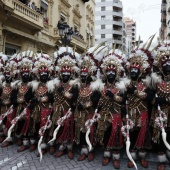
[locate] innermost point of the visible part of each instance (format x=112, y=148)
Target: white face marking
x=43, y=73
x=110, y=72
x=66, y=73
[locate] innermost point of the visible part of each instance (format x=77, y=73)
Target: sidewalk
x=10, y=159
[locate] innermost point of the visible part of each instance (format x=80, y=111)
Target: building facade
x=130, y=27
x=33, y=25
x=108, y=22
x=165, y=20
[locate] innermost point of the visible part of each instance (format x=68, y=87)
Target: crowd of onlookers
x=31, y=5
x=76, y=33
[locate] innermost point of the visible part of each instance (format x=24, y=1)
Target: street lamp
x=65, y=33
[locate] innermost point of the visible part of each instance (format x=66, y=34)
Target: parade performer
x=42, y=102
x=8, y=95
x=161, y=111
x=89, y=94
x=139, y=95
x=65, y=96
x=111, y=106
x=24, y=95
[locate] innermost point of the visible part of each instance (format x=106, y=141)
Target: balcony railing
x=163, y=8
x=79, y=42
x=117, y=41
x=119, y=32
x=118, y=23
x=117, y=14
x=24, y=13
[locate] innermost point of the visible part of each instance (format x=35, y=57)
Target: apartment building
x=130, y=26
x=109, y=22
x=33, y=24
x=165, y=20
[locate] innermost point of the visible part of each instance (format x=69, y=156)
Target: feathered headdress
x=66, y=60
x=141, y=57
x=161, y=54
x=11, y=66
x=25, y=61
x=113, y=62
x=42, y=63
x=3, y=60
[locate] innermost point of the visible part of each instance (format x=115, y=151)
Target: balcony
x=118, y=23
x=117, y=14
x=81, y=44
x=78, y=42
x=163, y=19
x=119, y=32
x=22, y=13
x=117, y=41
x=163, y=8
x=117, y=4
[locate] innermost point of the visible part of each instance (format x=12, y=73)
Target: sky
x=146, y=13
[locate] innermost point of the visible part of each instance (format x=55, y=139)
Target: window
x=44, y=8
x=11, y=49
x=102, y=26
x=103, y=8
x=103, y=17
x=102, y=35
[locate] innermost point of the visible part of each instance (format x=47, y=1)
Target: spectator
x=33, y=6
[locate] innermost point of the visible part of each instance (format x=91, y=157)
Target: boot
x=70, y=152
x=52, y=150
x=84, y=153
x=162, y=161
x=106, y=158
x=130, y=164
x=143, y=161
x=25, y=145
x=61, y=151
x=7, y=143
x=43, y=149
x=116, y=158
x=19, y=140
x=90, y=156
x=33, y=145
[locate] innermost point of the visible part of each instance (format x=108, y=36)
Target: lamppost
x=65, y=33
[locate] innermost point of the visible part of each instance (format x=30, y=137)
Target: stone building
x=32, y=24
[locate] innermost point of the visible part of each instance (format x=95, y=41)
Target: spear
x=88, y=125
x=9, y=111
x=160, y=123
x=129, y=125
x=59, y=123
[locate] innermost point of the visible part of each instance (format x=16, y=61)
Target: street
x=10, y=159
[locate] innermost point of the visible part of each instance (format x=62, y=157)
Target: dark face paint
x=25, y=77
x=166, y=68
x=43, y=77
x=134, y=73
x=65, y=76
x=83, y=77
x=111, y=76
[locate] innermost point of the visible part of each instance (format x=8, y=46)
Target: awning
x=44, y=4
